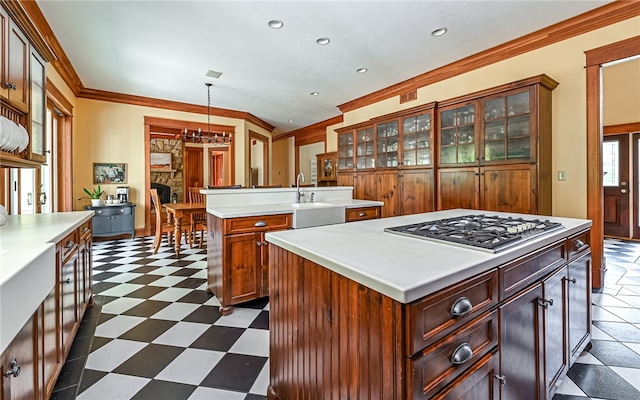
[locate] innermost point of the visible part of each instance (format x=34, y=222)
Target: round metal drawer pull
x=260, y=224
x=462, y=354
x=362, y=214
x=461, y=306
x=14, y=369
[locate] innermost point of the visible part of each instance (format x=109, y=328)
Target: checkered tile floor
x=155, y=333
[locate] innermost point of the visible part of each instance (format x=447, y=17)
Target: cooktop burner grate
x=491, y=233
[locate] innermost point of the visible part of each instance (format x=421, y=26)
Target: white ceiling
x=161, y=49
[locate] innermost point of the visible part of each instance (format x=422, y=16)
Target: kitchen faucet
x=298, y=194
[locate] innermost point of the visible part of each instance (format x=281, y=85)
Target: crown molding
x=311, y=130
x=600, y=17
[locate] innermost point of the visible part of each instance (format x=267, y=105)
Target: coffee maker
x=122, y=194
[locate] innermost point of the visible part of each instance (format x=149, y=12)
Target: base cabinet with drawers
x=238, y=257
x=30, y=365
x=509, y=333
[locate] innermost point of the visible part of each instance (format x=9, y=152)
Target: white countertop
x=280, y=208
x=401, y=267
x=27, y=264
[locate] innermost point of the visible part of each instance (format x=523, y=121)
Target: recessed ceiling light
x=314, y=93
x=361, y=70
x=439, y=32
x=276, y=24
x=290, y=121
x=213, y=74
x=323, y=41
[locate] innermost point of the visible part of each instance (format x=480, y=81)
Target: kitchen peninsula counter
x=357, y=312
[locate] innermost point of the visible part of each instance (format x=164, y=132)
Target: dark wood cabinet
x=494, y=149
x=362, y=213
x=509, y=339
x=327, y=168
x=42, y=345
x=238, y=257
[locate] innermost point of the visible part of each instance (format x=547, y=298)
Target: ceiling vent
x=213, y=74
x=404, y=98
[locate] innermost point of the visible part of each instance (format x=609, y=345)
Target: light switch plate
x=562, y=175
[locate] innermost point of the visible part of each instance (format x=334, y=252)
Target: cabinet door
x=22, y=349
x=509, y=124
x=263, y=249
x=121, y=223
x=388, y=191
x=37, y=144
x=554, y=307
x=387, y=145
x=68, y=306
x=458, y=188
x=579, y=308
x=51, y=356
x=365, y=186
x=84, y=272
x=4, y=71
x=417, y=140
x=365, y=152
x=345, y=151
x=520, y=347
x=457, y=135
x=346, y=179
x=18, y=65
x=417, y=191
x=243, y=278
x=509, y=189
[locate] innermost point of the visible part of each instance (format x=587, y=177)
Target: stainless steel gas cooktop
x=488, y=233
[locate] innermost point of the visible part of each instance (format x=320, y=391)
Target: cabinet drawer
x=68, y=245
x=362, y=213
x=577, y=244
x=85, y=230
x=257, y=224
x=517, y=275
x=114, y=210
x=479, y=382
x=439, y=314
x=446, y=359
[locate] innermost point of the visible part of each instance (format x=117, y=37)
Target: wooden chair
x=198, y=221
x=266, y=186
x=167, y=227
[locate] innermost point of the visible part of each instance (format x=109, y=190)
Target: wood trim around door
x=265, y=155
x=595, y=193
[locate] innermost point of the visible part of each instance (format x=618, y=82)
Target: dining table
x=178, y=211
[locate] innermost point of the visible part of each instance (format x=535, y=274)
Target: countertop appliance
x=482, y=232
x=122, y=194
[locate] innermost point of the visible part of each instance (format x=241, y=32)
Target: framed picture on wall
x=160, y=160
x=109, y=173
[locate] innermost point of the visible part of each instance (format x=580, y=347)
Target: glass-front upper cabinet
x=387, y=144
x=365, y=155
x=416, y=139
x=457, y=135
x=507, y=128
x=345, y=150
x=37, y=144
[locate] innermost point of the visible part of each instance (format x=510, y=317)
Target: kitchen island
x=357, y=312
x=45, y=287
x=237, y=220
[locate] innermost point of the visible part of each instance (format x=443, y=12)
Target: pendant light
x=215, y=139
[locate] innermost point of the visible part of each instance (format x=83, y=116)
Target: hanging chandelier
x=214, y=139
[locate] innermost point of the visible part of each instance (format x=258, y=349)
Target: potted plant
x=94, y=196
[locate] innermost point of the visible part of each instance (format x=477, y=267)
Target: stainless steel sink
x=306, y=215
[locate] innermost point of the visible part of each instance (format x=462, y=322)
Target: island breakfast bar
x=357, y=312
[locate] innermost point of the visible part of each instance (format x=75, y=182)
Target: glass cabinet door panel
x=387, y=143
x=518, y=104
x=466, y=153
x=494, y=109
x=37, y=114
x=424, y=122
x=494, y=130
x=345, y=151
x=448, y=137
x=424, y=156
x=519, y=148
x=466, y=134
x=410, y=125
x=448, y=118
x=424, y=140
x=494, y=150
x=518, y=126
x=409, y=159
x=381, y=160
x=448, y=155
